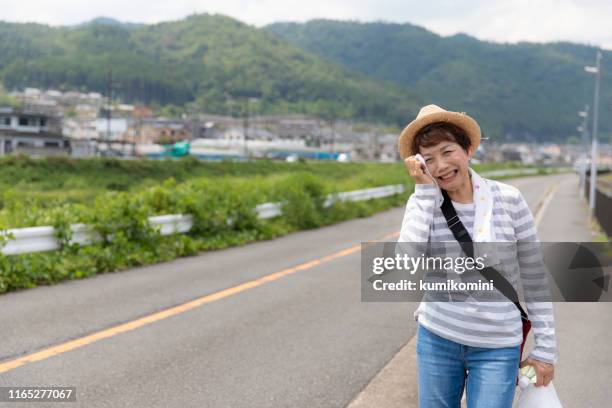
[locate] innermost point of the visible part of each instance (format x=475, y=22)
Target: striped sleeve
x=534, y=280
x=419, y=214
x=418, y=217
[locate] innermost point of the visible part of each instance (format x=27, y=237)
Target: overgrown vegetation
x=120, y=217
x=62, y=191
x=34, y=191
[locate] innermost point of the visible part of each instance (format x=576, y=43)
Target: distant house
x=31, y=132
x=157, y=130
x=113, y=129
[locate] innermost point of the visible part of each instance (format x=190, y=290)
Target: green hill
x=376, y=72
x=211, y=60
x=525, y=90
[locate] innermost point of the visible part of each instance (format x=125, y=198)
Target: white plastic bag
x=536, y=397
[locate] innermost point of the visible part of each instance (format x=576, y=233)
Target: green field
x=32, y=190
x=115, y=198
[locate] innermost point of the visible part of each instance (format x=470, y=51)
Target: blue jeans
x=445, y=367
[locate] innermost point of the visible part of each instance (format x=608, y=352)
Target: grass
x=29, y=187
x=115, y=198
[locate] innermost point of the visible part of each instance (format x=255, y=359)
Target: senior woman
x=463, y=346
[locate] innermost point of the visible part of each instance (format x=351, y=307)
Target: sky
x=580, y=21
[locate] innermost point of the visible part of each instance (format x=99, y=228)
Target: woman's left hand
x=545, y=372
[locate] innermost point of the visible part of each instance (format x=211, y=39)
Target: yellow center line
x=173, y=311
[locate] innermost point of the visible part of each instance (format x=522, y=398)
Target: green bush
x=302, y=197
x=221, y=197
x=222, y=207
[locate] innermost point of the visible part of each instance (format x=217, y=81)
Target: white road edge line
x=541, y=209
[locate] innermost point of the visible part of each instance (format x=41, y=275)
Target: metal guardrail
x=40, y=239
x=172, y=223
x=269, y=210
x=509, y=172
x=367, y=194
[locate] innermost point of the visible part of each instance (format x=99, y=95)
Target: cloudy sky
x=582, y=21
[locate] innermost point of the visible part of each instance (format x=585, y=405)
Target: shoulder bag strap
x=465, y=240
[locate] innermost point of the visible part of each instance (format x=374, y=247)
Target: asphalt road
x=300, y=338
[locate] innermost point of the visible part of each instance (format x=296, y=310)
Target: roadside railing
x=40, y=239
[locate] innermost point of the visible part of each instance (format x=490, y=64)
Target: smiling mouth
x=448, y=176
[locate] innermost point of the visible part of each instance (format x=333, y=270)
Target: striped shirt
x=485, y=323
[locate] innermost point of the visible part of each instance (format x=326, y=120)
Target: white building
x=31, y=133
x=115, y=128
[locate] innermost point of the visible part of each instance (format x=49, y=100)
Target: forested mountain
x=377, y=72
x=523, y=90
x=215, y=61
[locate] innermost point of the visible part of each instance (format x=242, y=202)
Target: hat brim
x=465, y=122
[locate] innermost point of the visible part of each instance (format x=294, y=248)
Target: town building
x=31, y=131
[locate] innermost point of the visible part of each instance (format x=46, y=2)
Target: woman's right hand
x=415, y=169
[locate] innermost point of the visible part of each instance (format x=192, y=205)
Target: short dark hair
x=437, y=132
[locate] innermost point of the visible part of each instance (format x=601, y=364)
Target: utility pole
x=246, y=126
x=109, y=98
x=110, y=83
x=247, y=109
x=584, y=128
x=332, y=127
x=596, y=70
x=137, y=126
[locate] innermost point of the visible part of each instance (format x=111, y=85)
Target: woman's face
x=448, y=163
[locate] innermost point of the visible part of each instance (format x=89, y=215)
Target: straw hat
x=431, y=114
